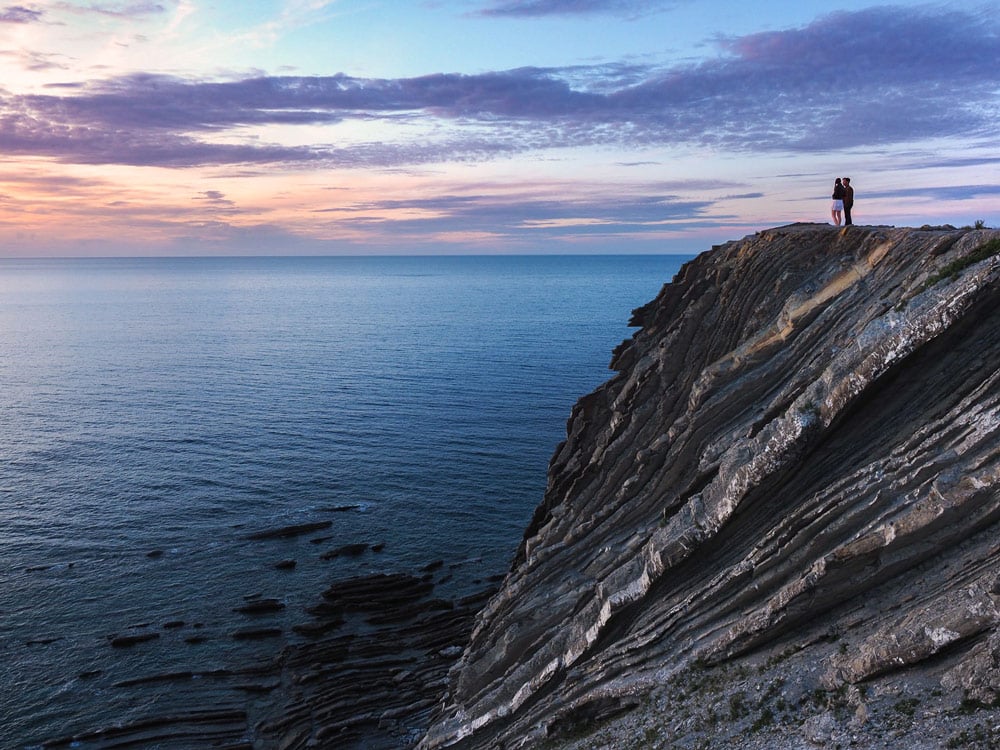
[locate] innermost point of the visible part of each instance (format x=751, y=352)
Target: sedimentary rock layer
x=804, y=434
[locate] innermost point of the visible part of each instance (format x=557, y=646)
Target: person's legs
x=836, y=216
x=847, y=215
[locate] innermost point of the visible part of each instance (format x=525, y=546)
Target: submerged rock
x=124, y=641
x=252, y=634
x=285, y=532
x=260, y=607
x=346, y=550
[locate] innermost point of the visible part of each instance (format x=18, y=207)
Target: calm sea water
x=173, y=406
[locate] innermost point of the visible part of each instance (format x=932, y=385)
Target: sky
x=304, y=127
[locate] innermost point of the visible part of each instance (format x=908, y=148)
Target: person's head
x=847, y=180
x=837, y=181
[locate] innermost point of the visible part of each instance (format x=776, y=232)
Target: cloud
x=216, y=199
x=35, y=61
x=938, y=161
x=941, y=193
x=19, y=14
x=536, y=8
x=540, y=213
x=878, y=77
x=113, y=10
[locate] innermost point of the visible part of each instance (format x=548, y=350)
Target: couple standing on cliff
x=843, y=200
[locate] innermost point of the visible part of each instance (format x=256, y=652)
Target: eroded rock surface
x=803, y=438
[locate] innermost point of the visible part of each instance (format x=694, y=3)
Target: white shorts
x=837, y=206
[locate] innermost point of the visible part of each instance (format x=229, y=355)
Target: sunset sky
x=212, y=127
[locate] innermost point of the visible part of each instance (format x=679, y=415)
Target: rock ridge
x=803, y=437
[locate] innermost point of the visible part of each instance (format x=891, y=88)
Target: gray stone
x=801, y=443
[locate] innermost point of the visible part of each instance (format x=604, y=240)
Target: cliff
x=794, y=474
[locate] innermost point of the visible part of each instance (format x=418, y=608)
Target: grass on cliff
x=953, y=269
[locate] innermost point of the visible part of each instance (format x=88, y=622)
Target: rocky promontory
x=777, y=522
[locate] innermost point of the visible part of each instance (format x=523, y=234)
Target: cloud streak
x=19, y=14
x=114, y=10
x=881, y=76
x=538, y=8
x=541, y=213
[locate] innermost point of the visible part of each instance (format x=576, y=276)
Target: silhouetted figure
x=838, y=201
x=848, y=201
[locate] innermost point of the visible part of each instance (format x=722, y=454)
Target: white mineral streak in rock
x=888, y=533
x=941, y=637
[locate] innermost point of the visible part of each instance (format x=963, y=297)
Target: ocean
x=157, y=413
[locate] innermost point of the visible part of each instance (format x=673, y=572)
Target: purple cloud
x=529, y=216
x=877, y=77
x=19, y=14
x=115, y=10
x=534, y=8
x=943, y=193
x=216, y=199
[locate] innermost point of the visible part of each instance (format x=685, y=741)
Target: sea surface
x=156, y=412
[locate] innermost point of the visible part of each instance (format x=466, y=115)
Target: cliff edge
x=791, y=485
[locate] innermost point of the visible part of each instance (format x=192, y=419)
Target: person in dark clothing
x=848, y=201
x=838, y=201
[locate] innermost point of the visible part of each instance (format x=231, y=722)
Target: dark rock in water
x=347, y=550
x=408, y=610
x=327, y=610
x=124, y=641
x=42, y=641
x=90, y=674
x=253, y=634
x=194, y=640
x=258, y=687
x=374, y=687
x=285, y=565
x=154, y=554
x=285, y=532
x=155, y=679
x=261, y=607
x=376, y=591
x=431, y=567
x=339, y=508
x=316, y=629
x=794, y=474
x=37, y=568
x=347, y=684
x=173, y=624
x=320, y=539
x=225, y=729
x=378, y=547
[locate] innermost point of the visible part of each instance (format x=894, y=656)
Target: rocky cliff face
x=799, y=455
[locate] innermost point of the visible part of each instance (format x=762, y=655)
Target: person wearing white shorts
x=837, y=209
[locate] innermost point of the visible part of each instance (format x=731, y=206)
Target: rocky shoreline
x=363, y=668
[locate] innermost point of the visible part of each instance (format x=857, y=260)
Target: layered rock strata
x=802, y=438
x=372, y=664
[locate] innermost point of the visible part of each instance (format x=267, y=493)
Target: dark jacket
x=839, y=192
